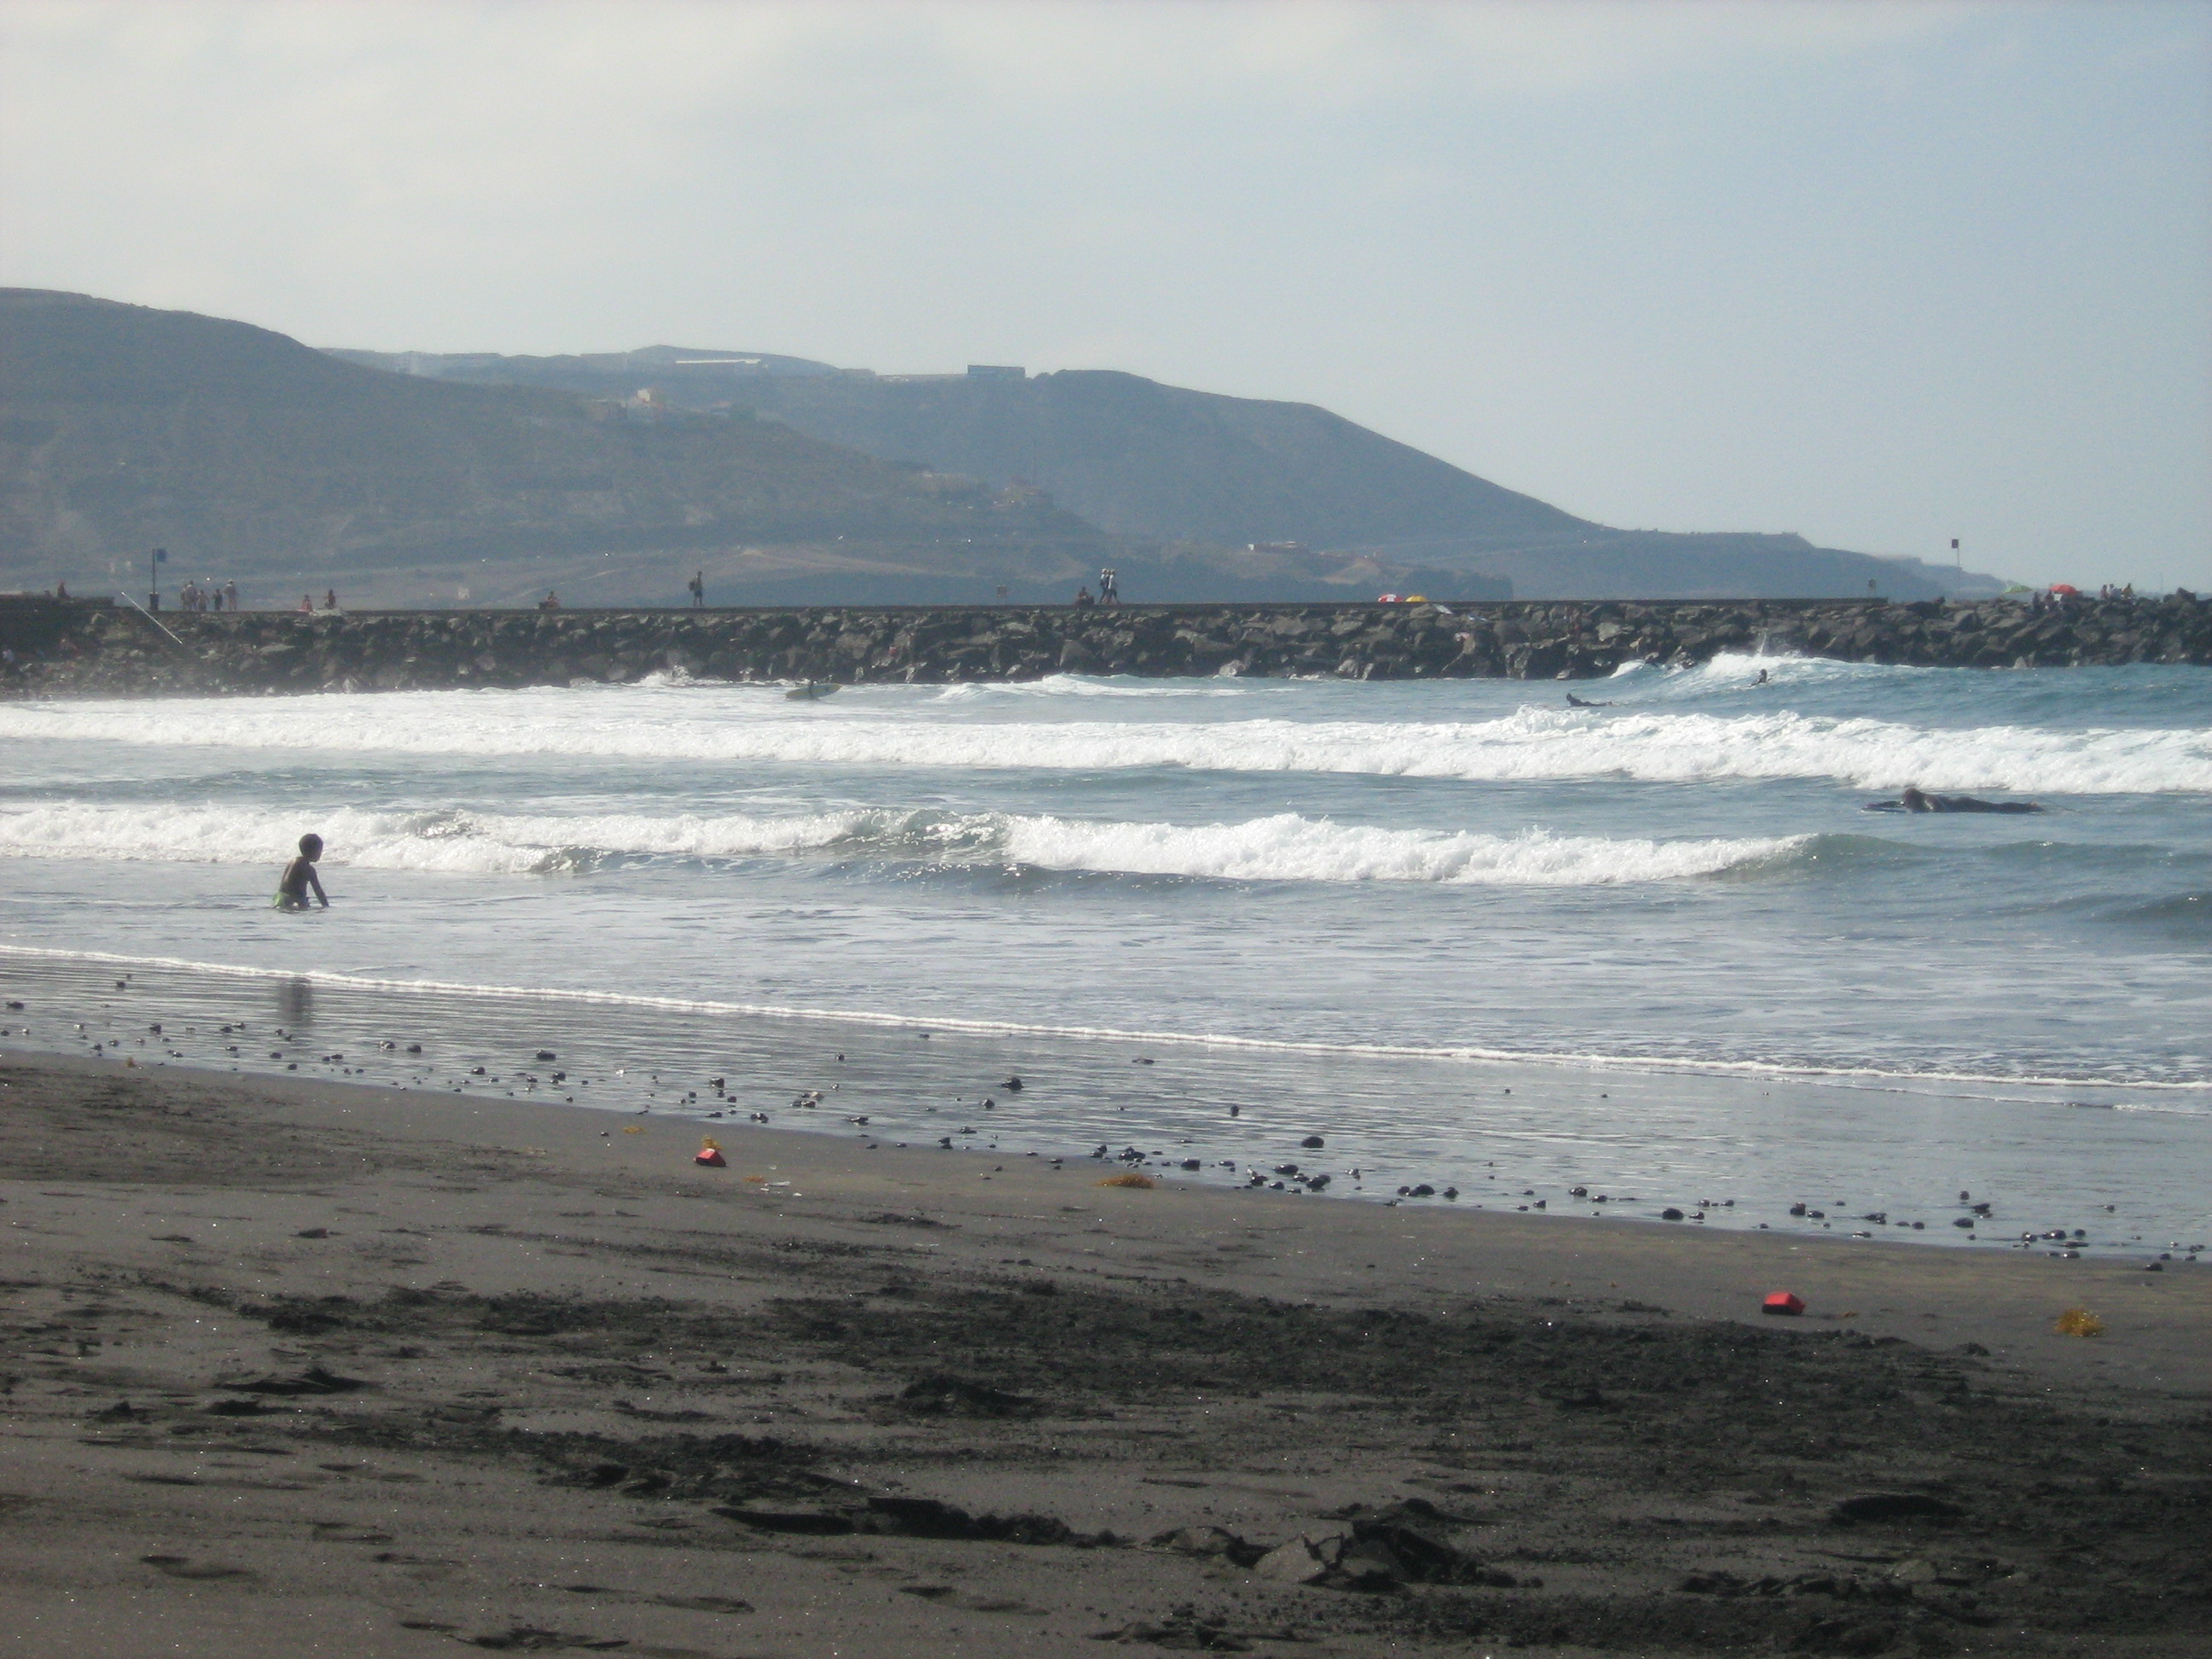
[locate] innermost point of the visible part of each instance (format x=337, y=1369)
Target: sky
x=1883, y=275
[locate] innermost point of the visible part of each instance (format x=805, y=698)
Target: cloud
x=1646, y=259
x=541, y=135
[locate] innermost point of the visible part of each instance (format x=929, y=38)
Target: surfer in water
x=292, y=887
x=1912, y=800
x=1574, y=702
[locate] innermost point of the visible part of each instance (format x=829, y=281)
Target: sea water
x=1368, y=911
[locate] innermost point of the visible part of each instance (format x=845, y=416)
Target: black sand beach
x=312, y=1368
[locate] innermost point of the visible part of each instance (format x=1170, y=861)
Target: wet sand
x=312, y=1368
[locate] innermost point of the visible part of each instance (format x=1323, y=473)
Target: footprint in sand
x=946, y=1595
x=528, y=1639
x=689, y=1603
x=183, y=1566
x=345, y=1532
x=705, y=1604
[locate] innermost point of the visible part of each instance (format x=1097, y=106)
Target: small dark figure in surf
x=1574, y=702
x=1761, y=680
x=299, y=876
x=1912, y=800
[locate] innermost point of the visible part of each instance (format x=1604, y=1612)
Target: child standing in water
x=299, y=875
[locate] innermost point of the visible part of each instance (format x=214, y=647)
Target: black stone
x=1896, y=1506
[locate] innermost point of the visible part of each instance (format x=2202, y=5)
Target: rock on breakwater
x=95, y=648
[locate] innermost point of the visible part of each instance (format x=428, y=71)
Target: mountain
x=1165, y=464
x=701, y=371
x=414, y=477
x=251, y=456
x=1143, y=459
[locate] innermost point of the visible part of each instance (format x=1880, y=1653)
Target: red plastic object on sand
x=711, y=1155
x=1784, y=1303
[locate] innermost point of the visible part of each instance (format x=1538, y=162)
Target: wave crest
x=1530, y=745
x=1284, y=847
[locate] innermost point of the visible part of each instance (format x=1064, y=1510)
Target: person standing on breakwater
x=300, y=875
x=698, y=587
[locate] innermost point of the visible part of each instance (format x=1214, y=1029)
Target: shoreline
x=1657, y=1064
x=580, y=1390
x=1814, y=1157
x=1711, y=1273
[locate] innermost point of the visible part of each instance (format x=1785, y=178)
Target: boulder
x=1303, y=1560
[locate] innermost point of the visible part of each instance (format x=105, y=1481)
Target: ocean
x=1470, y=937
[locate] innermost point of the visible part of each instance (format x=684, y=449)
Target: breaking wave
x=1284, y=847
x=743, y=725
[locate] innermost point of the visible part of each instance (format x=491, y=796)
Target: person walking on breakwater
x=299, y=876
x=697, y=586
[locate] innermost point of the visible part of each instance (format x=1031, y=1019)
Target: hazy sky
x=1883, y=275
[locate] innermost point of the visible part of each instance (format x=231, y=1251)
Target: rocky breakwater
x=95, y=648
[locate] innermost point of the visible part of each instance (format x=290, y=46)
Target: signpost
x=160, y=556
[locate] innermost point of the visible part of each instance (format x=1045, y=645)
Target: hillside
x=1163, y=463
x=252, y=457
x=413, y=478
x=1146, y=459
x=699, y=375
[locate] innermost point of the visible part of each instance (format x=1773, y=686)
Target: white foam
x=1085, y=685
x=747, y=724
x=1289, y=847
x=434, y=841
x=1736, y=670
x=1282, y=847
